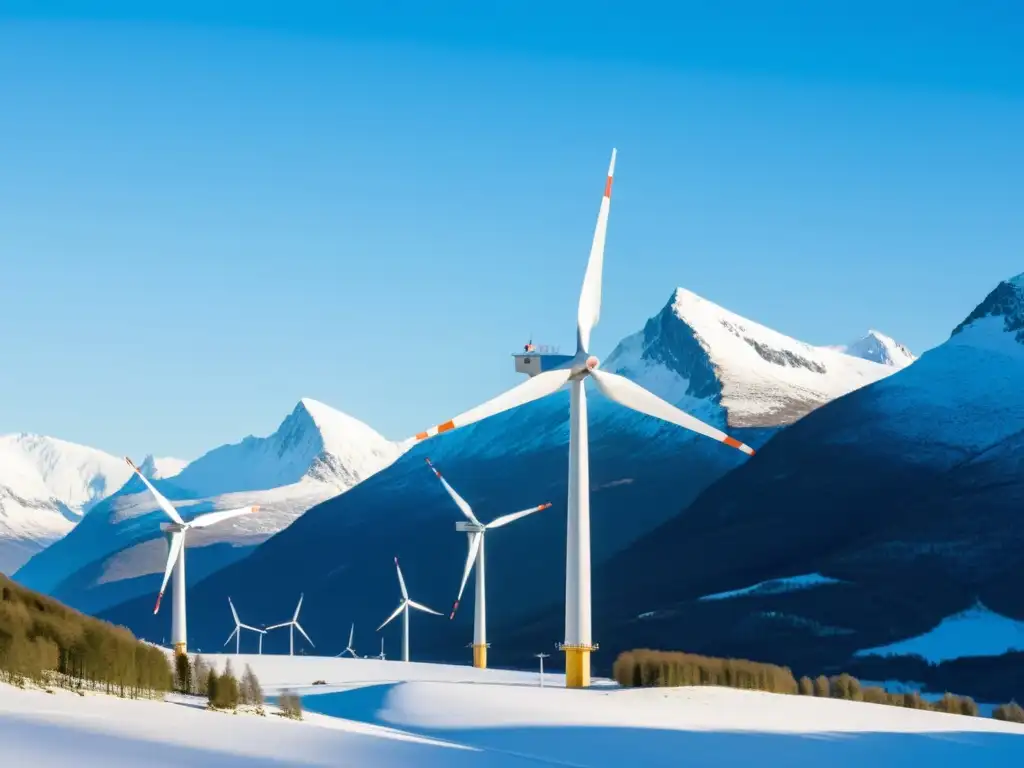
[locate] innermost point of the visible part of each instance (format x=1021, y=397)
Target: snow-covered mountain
x=161, y=467
x=697, y=352
x=316, y=453
x=879, y=348
x=46, y=485
x=711, y=362
x=906, y=494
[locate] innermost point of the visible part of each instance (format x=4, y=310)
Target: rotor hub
x=592, y=363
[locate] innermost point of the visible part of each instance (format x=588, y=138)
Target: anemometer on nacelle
x=536, y=359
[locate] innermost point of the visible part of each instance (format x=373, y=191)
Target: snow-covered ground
x=387, y=713
x=978, y=631
x=776, y=586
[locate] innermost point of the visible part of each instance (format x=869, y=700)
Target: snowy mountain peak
x=695, y=350
x=1001, y=313
x=161, y=468
x=879, y=348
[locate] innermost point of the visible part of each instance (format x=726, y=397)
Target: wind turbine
x=578, y=644
x=348, y=648
x=176, y=531
x=237, y=631
x=476, y=530
x=403, y=608
x=381, y=656
x=292, y=626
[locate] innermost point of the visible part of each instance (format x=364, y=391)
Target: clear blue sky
x=210, y=210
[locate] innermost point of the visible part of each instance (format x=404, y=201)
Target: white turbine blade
x=278, y=626
x=398, y=610
x=631, y=395
x=177, y=538
x=298, y=607
x=401, y=581
x=459, y=501
x=165, y=505
x=532, y=389
x=299, y=627
x=351, y=633
x=474, y=548
x=247, y=626
x=233, y=611
x=419, y=607
x=233, y=631
x=506, y=519
x=212, y=518
x=590, y=295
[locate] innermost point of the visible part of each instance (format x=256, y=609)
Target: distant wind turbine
x=476, y=530
x=348, y=648
x=292, y=626
x=403, y=608
x=578, y=642
x=176, y=531
x=237, y=631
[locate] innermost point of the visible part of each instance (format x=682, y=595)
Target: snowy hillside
x=907, y=494
x=117, y=550
x=642, y=472
x=879, y=348
x=696, y=351
x=388, y=714
x=46, y=485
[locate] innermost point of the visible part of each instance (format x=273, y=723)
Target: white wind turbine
x=292, y=626
x=348, y=648
x=237, y=631
x=403, y=608
x=176, y=531
x=578, y=643
x=476, y=530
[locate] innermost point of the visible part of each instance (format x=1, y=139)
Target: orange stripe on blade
x=446, y=427
x=608, y=187
x=732, y=442
x=422, y=435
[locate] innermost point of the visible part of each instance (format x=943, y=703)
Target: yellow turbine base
x=179, y=649
x=480, y=656
x=577, y=666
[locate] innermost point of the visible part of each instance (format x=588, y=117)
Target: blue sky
x=210, y=210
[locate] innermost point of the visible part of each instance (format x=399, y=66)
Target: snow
x=695, y=350
x=879, y=348
x=978, y=631
x=315, y=454
x=776, y=586
x=161, y=468
x=385, y=714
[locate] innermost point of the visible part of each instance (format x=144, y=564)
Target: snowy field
x=386, y=713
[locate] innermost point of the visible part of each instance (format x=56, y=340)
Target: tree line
x=45, y=642
x=647, y=668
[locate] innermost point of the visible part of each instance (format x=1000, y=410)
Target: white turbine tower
x=292, y=626
x=348, y=648
x=176, y=531
x=237, y=631
x=578, y=644
x=476, y=530
x=403, y=608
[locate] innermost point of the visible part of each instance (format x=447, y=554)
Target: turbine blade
x=247, y=626
x=278, y=626
x=506, y=519
x=532, y=389
x=419, y=607
x=351, y=632
x=177, y=538
x=401, y=581
x=474, y=547
x=298, y=607
x=627, y=393
x=388, y=620
x=233, y=611
x=212, y=518
x=233, y=631
x=165, y=505
x=590, y=296
x=299, y=627
x=459, y=501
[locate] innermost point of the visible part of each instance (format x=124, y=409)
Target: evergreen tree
x=806, y=686
x=211, y=688
x=251, y=692
x=821, y=687
x=183, y=672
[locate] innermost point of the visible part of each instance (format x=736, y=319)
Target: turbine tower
x=348, y=648
x=176, y=531
x=403, y=608
x=237, y=631
x=476, y=530
x=292, y=626
x=578, y=642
